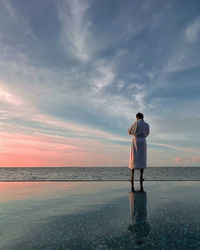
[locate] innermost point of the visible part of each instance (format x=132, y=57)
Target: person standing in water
x=138, y=150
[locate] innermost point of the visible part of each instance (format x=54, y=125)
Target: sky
x=73, y=74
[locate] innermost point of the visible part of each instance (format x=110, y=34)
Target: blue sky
x=76, y=72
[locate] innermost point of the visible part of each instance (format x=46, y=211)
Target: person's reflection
x=138, y=209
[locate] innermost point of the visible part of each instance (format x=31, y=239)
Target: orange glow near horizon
x=22, y=150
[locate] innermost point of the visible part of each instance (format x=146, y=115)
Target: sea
x=97, y=174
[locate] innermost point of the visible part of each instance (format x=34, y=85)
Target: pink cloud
x=7, y=97
x=186, y=159
x=196, y=159
x=48, y=150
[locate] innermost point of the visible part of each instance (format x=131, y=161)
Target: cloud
x=187, y=159
x=23, y=150
x=192, y=30
x=24, y=28
x=175, y=147
x=30, y=118
x=9, y=98
x=104, y=76
x=75, y=29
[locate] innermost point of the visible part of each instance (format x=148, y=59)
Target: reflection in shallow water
x=139, y=228
x=96, y=216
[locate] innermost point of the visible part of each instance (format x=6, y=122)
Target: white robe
x=138, y=149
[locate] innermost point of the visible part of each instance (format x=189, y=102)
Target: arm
x=132, y=128
x=147, y=130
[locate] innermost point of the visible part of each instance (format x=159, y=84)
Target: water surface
x=96, y=173
x=99, y=215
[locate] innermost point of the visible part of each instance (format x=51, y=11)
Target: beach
x=99, y=215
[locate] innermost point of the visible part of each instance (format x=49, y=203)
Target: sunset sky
x=74, y=73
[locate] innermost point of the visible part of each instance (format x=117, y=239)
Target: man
x=138, y=150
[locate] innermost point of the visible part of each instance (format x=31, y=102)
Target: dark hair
x=139, y=115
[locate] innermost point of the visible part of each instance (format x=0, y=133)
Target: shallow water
x=96, y=173
x=99, y=215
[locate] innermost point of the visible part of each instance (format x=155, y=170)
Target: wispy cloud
x=104, y=76
x=192, y=31
x=31, y=114
x=16, y=17
x=49, y=150
x=190, y=150
x=186, y=159
x=75, y=28
x=9, y=98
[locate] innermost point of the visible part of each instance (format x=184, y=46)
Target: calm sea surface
x=97, y=173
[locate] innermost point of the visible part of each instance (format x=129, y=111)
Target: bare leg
x=141, y=174
x=132, y=175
